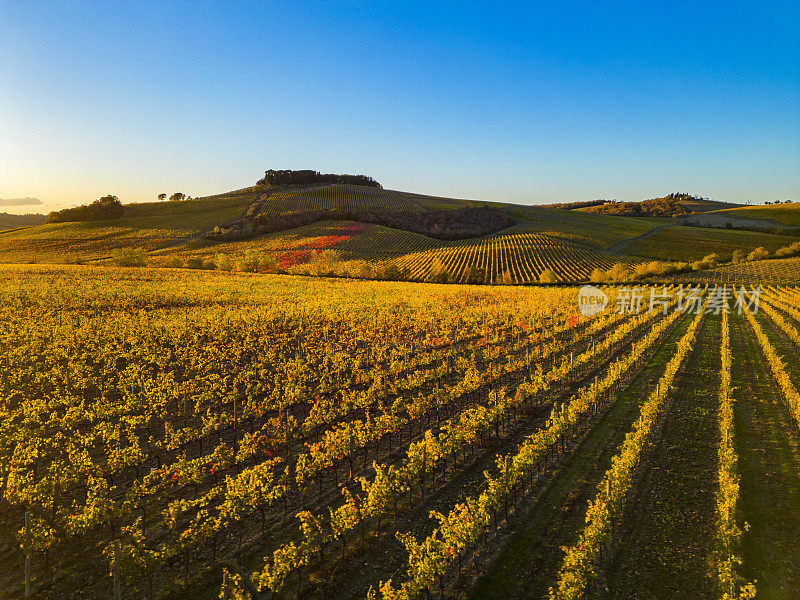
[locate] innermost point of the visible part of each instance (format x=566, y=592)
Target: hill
x=673, y=205
x=785, y=214
x=366, y=231
x=8, y=221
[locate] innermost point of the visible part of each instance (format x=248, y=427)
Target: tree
x=618, y=272
x=177, y=197
x=107, y=207
x=222, y=262
x=129, y=257
x=161, y=197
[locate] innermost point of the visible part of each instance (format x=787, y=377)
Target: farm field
x=786, y=214
x=681, y=243
x=778, y=271
x=187, y=433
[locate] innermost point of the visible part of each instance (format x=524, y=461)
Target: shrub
x=390, y=272
x=438, y=273
x=474, y=275
x=644, y=269
x=129, y=257
x=681, y=266
x=759, y=253
x=790, y=250
x=174, y=262
x=442, y=276
x=222, y=262
x=324, y=264
x=194, y=262
x=618, y=272
x=598, y=276
x=708, y=262
x=256, y=262
x=738, y=256
x=657, y=268
x=508, y=278
x=548, y=276
x=362, y=269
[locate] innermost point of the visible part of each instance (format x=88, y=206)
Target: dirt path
x=769, y=461
x=527, y=566
x=619, y=246
x=255, y=208
x=665, y=542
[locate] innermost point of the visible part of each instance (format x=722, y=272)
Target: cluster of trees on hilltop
x=668, y=206
x=176, y=197
x=289, y=177
x=107, y=207
x=458, y=224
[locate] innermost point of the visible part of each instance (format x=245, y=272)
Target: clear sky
x=530, y=103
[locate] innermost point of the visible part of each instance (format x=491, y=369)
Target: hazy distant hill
x=8, y=221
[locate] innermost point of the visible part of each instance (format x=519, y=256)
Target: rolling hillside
x=343, y=236
x=150, y=226
x=783, y=214
x=682, y=243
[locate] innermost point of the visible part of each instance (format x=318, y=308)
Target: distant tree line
x=458, y=224
x=289, y=177
x=107, y=207
x=575, y=205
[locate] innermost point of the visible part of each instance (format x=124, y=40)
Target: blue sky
x=529, y=103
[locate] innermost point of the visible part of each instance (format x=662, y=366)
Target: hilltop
x=672, y=205
x=342, y=228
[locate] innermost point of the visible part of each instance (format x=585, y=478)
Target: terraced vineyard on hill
x=340, y=197
x=452, y=434
x=512, y=257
